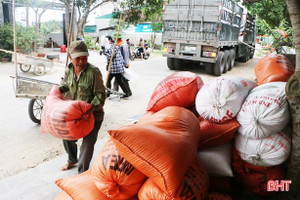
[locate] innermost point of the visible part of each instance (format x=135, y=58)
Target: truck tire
x=227, y=60
x=178, y=64
x=252, y=53
x=209, y=68
x=220, y=64
x=170, y=63
x=246, y=57
x=232, y=59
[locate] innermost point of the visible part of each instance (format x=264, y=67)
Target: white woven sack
x=264, y=112
x=128, y=74
x=221, y=99
x=269, y=151
x=217, y=160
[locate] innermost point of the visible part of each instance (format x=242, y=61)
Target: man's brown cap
x=78, y=48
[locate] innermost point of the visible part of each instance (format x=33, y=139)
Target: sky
x=48, y=15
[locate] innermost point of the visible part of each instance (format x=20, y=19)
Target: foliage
x=25, y=39
x=51, y=26
x=88, y=41
x=273, y=14
x=6, y=40
x=272, y=11
x=136, y=11
x=282, y=40
x=84, y=7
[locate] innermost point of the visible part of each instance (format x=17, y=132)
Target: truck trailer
x=213, y=33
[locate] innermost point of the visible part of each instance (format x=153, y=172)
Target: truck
x=211, y=33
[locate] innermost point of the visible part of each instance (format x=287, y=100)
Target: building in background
x=103, y=17
x=1, y=15
x=6, y=14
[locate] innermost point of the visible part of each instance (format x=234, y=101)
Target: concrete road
x=23, y=146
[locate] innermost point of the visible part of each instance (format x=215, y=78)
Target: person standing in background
x=128, y=43
x=117, y=66
x=125, y=51
x=141, y=48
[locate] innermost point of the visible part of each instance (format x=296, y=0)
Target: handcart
x=34, y=89
x=39, y=65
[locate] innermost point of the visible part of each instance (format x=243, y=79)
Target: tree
x=25, y=38
x=293, y=96
x=39, y=7
x=51, y=26
x=135, y=12
x=273, y=20
x=84, y=8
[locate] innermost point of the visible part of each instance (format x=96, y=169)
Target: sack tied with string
x=64, y=118
x=221, y=99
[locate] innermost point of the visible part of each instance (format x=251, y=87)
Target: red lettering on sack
x=244, y=83
x=262, y=102
x=275, y=185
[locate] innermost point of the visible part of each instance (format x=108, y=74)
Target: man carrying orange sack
x=84, y=82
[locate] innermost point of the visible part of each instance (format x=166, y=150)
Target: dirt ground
x=23, y=146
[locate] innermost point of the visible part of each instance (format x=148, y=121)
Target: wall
x=56, y=37
x=1, y=15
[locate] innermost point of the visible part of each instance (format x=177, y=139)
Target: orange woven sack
x=161, y=147
x=214, y=134
x=81, y=187
x=219, y=184
x=63, y=196
x=178, y=89
x=114, y=175
x=63, y=118
x=195, y=185
x=218, y=196
x=273, y=68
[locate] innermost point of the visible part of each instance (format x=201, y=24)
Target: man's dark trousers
x=86, y=149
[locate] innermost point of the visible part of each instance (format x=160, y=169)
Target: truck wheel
x=209, y=68
x=227, y=60
x=220, y=64
x=178, y=64
x=252, y=53
x=170, y=63
x=246, y=57
x=232, y=59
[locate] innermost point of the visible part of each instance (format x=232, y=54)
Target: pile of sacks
x=185, y=144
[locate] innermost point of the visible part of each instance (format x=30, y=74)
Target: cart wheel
x=24, y=68
x=39, y=69
x=35, y=110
